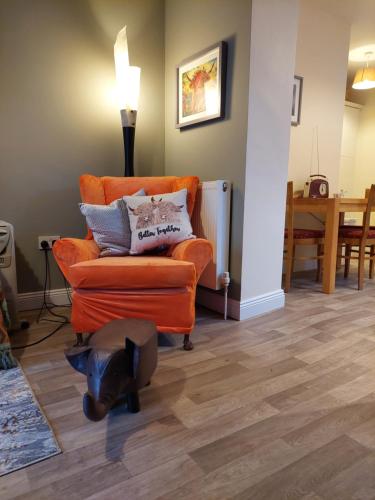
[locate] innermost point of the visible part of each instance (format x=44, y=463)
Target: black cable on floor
x=40, y=340
x=48, y=306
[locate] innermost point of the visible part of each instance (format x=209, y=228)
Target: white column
x=274, y=27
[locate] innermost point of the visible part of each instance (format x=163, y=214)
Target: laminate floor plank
x=302, y=477
x=280, y=406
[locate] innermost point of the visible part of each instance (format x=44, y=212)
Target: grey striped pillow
x=110, y=226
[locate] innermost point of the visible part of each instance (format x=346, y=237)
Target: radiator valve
x=225, y=279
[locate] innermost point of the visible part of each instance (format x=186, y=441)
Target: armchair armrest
x=198, y=251
x=69, y=251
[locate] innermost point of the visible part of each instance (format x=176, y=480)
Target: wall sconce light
x=365, y=77
x=128, y=84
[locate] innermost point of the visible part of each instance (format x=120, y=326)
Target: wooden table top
x=322, y=204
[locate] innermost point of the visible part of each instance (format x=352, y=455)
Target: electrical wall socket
x=50, y=240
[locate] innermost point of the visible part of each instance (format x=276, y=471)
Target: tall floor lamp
x=128, y=83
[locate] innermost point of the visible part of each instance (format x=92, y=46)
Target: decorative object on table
x=297, y=100
x=158, y=220
x=201, y=83
x=110, y=225
x=118, y=361
x=317, y=185
x=365, y=77
x=128, y=85
x=25, y=435
x=160, y=288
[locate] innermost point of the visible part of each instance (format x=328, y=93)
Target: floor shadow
x=156, y=403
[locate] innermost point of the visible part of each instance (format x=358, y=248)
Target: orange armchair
x=159, y=288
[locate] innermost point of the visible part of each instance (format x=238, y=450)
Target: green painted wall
x=215, y=150
x=58, y=118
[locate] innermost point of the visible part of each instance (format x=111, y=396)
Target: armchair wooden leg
x=372, y=256
x=80, y=341
x=188, y=345
x=348, y=251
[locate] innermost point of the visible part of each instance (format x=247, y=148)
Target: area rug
x=25, y=435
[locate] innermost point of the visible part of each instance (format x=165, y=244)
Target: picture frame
x=201, y=86
x=297, y=100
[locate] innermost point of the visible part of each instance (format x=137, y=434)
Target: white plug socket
x=49, y=239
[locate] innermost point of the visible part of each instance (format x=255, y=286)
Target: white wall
x=365, y=153
x=322, y=59
x=358, y=151
x=350, y=129
x=274, y=25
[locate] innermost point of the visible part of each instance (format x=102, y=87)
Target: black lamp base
x=129, y=134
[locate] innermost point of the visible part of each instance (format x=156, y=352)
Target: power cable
x=48, y=306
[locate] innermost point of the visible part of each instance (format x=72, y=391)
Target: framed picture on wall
x=297, y=100
x=201, y=86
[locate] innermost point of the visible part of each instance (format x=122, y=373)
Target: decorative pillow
x=110, y=225
x=158, y=220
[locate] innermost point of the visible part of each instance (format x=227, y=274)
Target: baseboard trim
x=34, y=300
x=245, y=309
x=262, y=304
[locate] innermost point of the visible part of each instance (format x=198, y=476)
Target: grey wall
x=215, y=150
x=57, y=114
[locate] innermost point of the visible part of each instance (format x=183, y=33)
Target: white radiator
x=211, y=220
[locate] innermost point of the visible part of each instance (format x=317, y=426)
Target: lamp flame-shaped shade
x=364, y=79
x=127, y=77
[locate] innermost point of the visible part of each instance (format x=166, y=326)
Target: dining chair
x=294, y=237
x=362, y=238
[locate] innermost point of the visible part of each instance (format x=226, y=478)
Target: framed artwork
x=296, y=100
x=201, y=86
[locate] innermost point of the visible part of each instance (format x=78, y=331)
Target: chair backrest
x=370, y=195
x=289, y=223
x=104, y=190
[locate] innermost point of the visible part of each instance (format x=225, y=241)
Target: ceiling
x=360, y=14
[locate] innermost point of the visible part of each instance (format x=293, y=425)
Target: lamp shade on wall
x=364, y=79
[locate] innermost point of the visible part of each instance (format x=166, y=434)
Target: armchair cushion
x=122, y=273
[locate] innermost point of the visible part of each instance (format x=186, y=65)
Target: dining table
x=334, y=210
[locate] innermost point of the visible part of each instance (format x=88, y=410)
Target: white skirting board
x=34, y=300
x=244, y=309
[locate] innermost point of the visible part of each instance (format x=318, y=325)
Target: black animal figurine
x=118, y=360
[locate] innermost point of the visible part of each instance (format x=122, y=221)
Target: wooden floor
x=278, y=407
